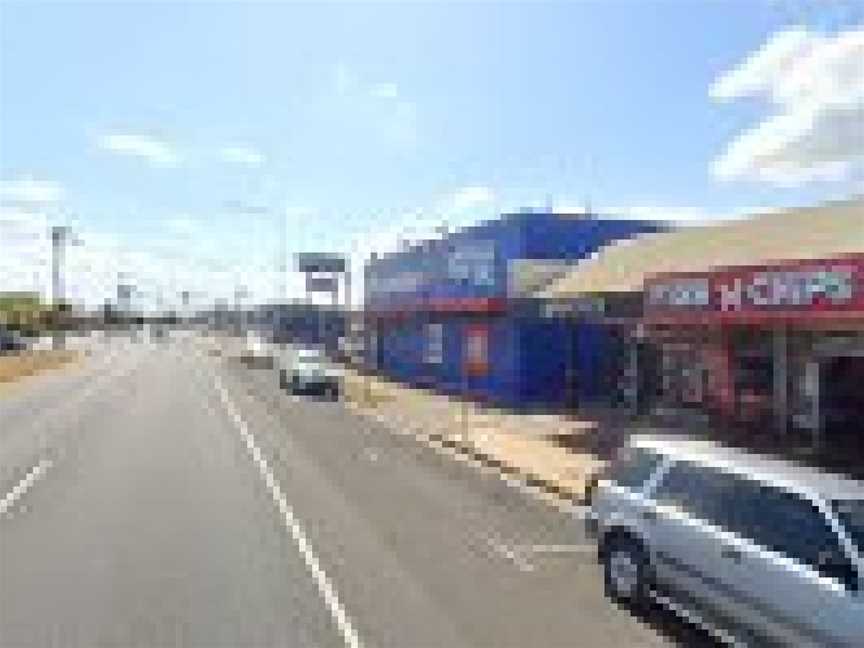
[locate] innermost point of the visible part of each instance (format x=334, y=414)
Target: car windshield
x=851, y=514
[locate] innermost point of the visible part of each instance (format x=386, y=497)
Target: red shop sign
x=797, y=289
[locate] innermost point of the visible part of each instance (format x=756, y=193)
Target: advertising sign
x=321, y=283
x=800, y=288
x=316, y=262
x=443, y=273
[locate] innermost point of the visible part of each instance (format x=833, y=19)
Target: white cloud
x=180, y=258
x=183, y=225
x=814, y=83
x=384, y=90
x=344, y=79
x=24, y=261
x=155, y=151
x=376, y=107
x=468, y=198
x=676, y=214
x=243, y=155
x=28, y=190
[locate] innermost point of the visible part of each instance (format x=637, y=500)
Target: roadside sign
x=324, y=263
x=321, y=283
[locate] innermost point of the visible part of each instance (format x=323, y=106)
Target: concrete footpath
x=552, y=453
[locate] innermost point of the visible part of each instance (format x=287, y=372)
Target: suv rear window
x=789, y=524
x=632, y=467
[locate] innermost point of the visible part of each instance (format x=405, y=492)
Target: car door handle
x=731, y=554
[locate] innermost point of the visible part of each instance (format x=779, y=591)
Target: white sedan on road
x=310, y=372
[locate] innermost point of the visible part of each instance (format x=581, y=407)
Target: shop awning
x=825, y=231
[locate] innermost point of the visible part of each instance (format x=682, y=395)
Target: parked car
x=255, y=353
x=760, y=550
x=310, y=372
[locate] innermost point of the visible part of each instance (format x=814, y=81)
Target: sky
x=184, y=142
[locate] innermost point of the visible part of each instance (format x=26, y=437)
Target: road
x=183, y=499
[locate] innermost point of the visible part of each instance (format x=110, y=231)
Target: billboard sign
x=322, y=283
x=324, y=263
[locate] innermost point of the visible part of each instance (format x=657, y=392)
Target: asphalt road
x=183, y=499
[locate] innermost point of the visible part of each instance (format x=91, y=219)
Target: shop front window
x=684, y=376
x=754, y=387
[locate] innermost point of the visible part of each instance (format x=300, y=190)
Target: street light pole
x=59, y=236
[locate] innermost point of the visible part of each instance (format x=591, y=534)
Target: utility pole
x=60, y=235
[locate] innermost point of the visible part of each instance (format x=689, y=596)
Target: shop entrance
x=841, y=404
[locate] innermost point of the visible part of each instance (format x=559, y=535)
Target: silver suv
x=758, y=550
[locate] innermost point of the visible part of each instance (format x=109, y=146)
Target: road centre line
x=310, y=558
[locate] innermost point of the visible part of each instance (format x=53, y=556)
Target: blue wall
x=402, y=357
x=474, y=262
x=549, y=236
x=530, y=358
x=545, y=351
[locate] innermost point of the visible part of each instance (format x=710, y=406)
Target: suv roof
x=791, y=475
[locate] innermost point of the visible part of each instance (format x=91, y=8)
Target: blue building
x=457, y=314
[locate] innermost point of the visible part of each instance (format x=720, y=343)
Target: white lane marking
x=310, y=558
x=38, y=471
x=512, y=554
x=561, y=549
x=34, y=474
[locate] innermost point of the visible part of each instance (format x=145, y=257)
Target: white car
x=310, y=372
x=762, y=550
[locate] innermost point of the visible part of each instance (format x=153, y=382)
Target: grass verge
x=21, y=365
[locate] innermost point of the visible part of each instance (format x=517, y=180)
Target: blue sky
x=155, y=123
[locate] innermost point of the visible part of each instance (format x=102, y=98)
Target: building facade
x=457, y=313
x=776, y=346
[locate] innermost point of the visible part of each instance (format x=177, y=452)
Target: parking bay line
x=310, y=558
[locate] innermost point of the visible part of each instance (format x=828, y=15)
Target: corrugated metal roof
x=825, y=231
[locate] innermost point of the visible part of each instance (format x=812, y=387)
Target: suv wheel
x=625, y=571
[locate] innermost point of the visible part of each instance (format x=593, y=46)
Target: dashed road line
x=324, y=584
x=32, y=476
x=38, y=471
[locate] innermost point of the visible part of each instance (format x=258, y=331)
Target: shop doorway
x=841, y=405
